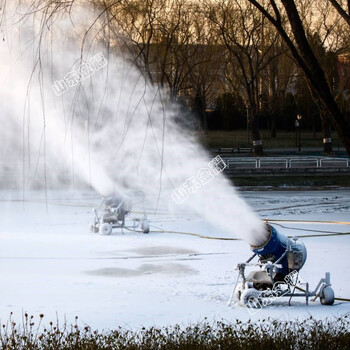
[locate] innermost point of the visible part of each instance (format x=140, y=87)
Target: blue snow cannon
x=280, y=259
x=278, y=249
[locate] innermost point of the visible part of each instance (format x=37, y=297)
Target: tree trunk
x=344, y=13
x=309, y=64
x=204, y=120
x=254, y=127
x=313, y=126
x=315, y=74
x=327, y=137
x=204, y=112
x=273, y=126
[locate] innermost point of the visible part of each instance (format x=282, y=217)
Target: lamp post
x=297, y=132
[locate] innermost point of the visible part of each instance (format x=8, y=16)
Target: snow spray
x=110, y=128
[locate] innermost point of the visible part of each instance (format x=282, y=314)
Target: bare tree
x=251, y=47
x=328, y=39
x=278, y=84
x=205, y=66
x=160, y=38
x=304, y=56
x=132, y=28
x=344, y=12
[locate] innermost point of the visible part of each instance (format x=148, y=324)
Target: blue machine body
x=276, y=245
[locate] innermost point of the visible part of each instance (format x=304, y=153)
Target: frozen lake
x=52, y=264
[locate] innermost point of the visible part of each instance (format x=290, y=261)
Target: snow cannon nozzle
x=279, y=249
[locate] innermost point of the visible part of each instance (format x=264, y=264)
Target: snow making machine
x=280, y=260
x=112, y=213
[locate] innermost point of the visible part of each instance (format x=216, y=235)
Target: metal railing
x=287, y=163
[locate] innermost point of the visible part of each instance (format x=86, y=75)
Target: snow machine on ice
x=111, y=214
x=280, y=260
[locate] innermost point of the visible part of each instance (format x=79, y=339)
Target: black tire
x=251, y=298
x=105, y=229
x=327, y=296
x=145, y=226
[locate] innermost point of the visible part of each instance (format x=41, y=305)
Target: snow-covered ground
x=50, y=263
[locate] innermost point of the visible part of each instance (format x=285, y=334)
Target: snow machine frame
x=111, y=214
x=254, y=293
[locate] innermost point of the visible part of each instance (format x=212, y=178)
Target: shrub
x=264, y=334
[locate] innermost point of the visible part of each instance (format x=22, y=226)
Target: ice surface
x=50, y=263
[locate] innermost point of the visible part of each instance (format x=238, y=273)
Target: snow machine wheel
x=327, y=296
x=105, y=229
x=145, y=226
x=93, y=228
x=251, y=298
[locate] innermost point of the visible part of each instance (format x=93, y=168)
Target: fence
x=286, y=163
